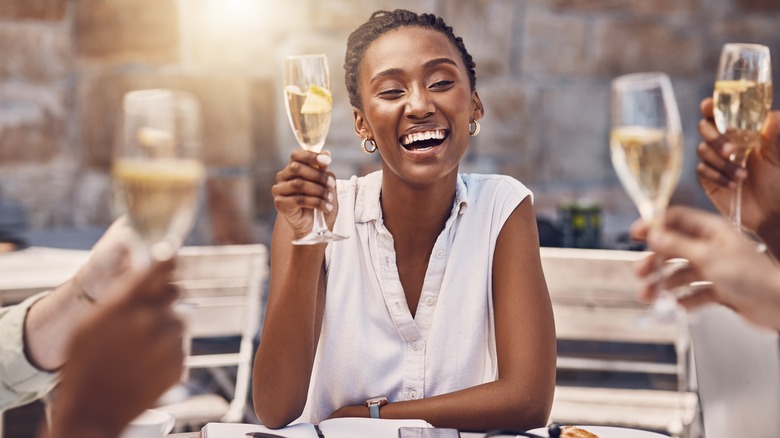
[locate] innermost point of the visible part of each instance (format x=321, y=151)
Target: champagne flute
x=647, y=152
x=742, y=99
x=309, y=103
x=157, y=172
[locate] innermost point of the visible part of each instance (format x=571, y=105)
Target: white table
x=197, y=435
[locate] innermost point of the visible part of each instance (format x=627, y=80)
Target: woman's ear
x=479, y=111
x=362, y=129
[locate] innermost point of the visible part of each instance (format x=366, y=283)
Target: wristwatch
x=374, y=404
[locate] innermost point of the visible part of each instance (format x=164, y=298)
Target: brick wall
x=543, y=69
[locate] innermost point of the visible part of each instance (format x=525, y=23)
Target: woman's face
x=417, y=103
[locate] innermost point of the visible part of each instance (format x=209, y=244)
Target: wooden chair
x=594, y=297
x=222, y=291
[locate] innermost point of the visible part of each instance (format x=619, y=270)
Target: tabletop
x=197, y=435
x=29, y=271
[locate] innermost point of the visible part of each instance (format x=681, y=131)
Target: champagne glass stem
x=319, y=225
x=736, y=207
x=664, y=307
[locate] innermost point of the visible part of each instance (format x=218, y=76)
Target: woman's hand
x=761, y=178
x=305, y=184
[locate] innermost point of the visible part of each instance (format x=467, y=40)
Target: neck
x=417, y=210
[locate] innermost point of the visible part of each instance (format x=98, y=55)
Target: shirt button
x=429, y=301
x=398, y=305
x=415, y=346
x=413, y=395
x=440, y=254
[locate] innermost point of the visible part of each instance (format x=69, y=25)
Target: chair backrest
x=595, y=301
x=595, y=298
x=738, y=374
x=222, y=292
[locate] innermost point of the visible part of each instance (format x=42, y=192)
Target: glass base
x=317, y=237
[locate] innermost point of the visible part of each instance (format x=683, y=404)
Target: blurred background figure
x=36, y=333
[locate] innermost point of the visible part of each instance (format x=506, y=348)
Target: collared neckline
x=369, y=208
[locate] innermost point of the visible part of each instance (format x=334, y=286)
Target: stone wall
x=543, y=69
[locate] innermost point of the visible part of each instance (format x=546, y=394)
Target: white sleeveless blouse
x=370, y=345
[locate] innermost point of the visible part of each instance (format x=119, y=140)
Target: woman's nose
x=419, y=105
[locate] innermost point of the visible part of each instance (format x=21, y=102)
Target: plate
x=610, y=432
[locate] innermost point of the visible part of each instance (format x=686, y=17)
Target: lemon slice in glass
x=318, y=100
x=155, y=138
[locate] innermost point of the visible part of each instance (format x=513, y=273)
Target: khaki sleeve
x=20, y=381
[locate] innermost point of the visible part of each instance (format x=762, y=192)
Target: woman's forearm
x=495, y=405
x=285, y=357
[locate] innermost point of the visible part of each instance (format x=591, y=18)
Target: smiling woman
x=436, y=306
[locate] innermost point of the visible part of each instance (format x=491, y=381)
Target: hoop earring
x=474, y=128
x=369, y=146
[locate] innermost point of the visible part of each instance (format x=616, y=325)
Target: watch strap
x=373, y=410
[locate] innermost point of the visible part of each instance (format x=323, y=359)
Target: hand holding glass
x=157, y=172
x=742, y=100
x=647, y=150
x=309, y=103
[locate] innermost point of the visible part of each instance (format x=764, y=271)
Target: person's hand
x=123, y=356
x=744, y=279
x=761, y=178
x=108, y=260
x=676, y=277
x=304, y=184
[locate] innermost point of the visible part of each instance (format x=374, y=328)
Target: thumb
x=150, y=285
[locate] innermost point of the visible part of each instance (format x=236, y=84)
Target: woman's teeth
x=423, y=140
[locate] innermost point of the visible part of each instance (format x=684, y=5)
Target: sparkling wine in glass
x=742, y=99
x=309, y=104
x=647, y=152
x=157, y=172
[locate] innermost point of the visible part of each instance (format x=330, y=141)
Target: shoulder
x=360, y=197
x=356, y=184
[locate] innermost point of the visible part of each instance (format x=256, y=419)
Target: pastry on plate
x=576, y=432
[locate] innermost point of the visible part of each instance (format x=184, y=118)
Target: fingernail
x=329, y=206
x=741, y=173
x=331, y=182
x=330, y=197
x=728, y=148
x=323, y=159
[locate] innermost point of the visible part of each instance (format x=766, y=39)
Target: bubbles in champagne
x=740, y=109
x=648, y=162
x=159, y=196
x=309, y=115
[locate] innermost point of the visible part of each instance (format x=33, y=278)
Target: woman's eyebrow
x=438, y=61
x=427, y=66
x=386, y=73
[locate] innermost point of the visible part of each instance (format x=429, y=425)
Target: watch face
x=376, y=401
